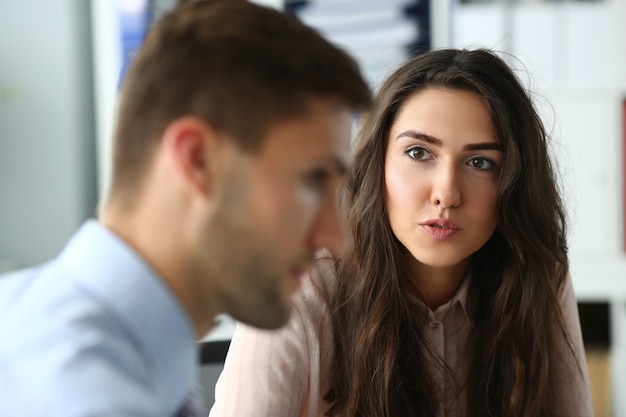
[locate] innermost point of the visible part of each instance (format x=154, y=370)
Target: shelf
x=599, y=280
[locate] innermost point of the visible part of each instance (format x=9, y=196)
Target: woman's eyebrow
x=419, y=135
x=437, y=142
x=483, y=146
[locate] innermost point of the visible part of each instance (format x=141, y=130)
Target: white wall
x=47, y=156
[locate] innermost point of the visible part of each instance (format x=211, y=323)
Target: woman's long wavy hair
x=381, y=360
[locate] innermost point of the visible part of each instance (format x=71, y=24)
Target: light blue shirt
x=94, y=332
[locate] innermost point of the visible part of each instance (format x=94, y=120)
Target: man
x=232, y=141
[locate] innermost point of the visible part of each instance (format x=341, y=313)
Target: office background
x=61, y=62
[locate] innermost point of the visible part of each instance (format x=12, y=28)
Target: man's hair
x=239, y=66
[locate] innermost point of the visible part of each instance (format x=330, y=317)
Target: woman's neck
x=437, y=285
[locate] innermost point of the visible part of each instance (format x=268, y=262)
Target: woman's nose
x=446, y=190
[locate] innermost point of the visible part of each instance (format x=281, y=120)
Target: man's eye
x=317, y=178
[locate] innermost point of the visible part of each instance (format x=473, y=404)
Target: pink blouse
x=285, y=373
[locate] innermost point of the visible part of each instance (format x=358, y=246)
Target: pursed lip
x=440, y=229
x=441, y=223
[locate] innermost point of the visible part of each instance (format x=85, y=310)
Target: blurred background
x=61, y=62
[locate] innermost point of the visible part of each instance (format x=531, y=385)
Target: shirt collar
x=460, y=297
x=131, y=291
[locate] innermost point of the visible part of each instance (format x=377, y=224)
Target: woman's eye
x=482, y=164
x=417, y=153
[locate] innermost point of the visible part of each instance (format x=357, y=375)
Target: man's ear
x=190, y=143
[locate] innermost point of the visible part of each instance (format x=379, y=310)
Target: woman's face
x=441, y=174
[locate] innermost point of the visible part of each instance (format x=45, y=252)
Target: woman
x=454, y=298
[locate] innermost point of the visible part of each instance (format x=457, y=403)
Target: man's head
x=238, y=66
x=232, y=140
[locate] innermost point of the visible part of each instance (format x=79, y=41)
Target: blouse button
x=433, y=325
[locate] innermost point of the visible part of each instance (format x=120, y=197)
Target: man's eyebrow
x=437, y=142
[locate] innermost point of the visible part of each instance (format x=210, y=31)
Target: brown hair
x=381, y=357
x=239, y=66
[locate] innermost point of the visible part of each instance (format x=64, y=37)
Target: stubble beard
x=244, y=265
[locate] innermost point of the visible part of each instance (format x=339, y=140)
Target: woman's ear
x=190, y=143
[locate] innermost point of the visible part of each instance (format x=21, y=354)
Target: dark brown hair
x=381, y=366
x=239, y=66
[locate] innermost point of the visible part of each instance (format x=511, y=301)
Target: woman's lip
x=440, y=228
x=441, y=223
x=439, y=233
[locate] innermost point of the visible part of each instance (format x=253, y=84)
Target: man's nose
x=329, y=230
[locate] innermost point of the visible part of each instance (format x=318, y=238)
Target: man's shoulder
x=42, y=296
x=14, y=282
x=62, y=350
